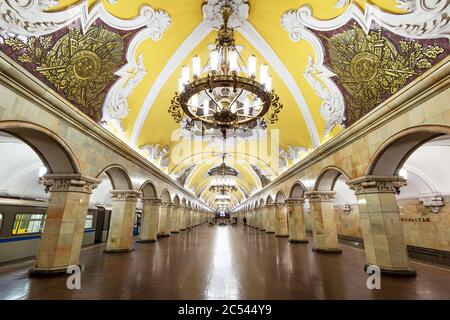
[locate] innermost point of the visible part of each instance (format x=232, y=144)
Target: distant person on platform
x=245, y=221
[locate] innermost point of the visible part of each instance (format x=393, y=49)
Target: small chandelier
x=223, y=185
x=223, y=169
x=224, y=94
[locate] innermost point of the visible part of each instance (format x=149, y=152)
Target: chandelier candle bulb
x=252, y=60
x=263, y=73
x=196, y=66
x=186, y=74
x=268, y=83
x=233, y=62
x=213, y=60
x=180, y=85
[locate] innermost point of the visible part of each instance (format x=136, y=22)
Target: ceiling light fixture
x=224, y=94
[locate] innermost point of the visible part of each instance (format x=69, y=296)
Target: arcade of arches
x=353, y=176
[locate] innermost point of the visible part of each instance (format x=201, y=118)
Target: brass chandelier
x=225, y=183
x=224, y=94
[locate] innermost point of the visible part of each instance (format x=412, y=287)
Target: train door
x=99, y=224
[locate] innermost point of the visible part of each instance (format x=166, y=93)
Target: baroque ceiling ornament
x=28, y=18
x=79, y=66
x=212, y=13
x=429, y=19
x=370, y=67
x=317, y=74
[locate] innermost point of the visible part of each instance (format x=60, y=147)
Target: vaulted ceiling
x=309, y=45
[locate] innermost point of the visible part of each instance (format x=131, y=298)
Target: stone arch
x=148, y=190
x=269, y=200
x=391, y=156
x=120, y=179
x=165, y=196
x=176, y=200
x=280, y=197
x=297, y=191
x=328, y=177
x=51, y=149
x=183, y=203
x=261, y=202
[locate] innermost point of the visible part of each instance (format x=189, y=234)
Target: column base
x=263, y=230
x=174, y=231
x=118, y=250
x=147, y=241
x=163, y=235
x=281, y=236
x=405, y=273
x=298, y=241
x=49, y=272
x=330, y=250
x=270, y=232
x=182, y=229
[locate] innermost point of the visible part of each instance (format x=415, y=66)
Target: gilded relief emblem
x=80, y=67
x=372, y=67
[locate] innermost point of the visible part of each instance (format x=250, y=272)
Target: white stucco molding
x=430, y=19
x=28, y=18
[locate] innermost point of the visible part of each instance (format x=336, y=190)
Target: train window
x=89, y=221
x=25, y=223
x=1, y=221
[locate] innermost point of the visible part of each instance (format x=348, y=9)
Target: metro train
x=22, y=222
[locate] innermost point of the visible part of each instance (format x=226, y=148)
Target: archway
x=414, y=164
x=51, y=149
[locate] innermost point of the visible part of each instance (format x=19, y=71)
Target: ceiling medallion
x=224, y=94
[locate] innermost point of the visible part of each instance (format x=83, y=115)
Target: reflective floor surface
x=224, y=262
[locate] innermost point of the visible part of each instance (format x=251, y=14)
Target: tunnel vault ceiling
x=332, y=62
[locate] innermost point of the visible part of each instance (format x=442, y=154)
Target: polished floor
x=224, y=262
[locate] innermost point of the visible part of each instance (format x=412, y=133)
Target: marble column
x=164, y=219
x=149, y=220
x=262, y=226
x=270, y=212
x=175, y=218
x=296, y=220
x=325, y=239
x=62, y=236
x=187, y=221
x=264, y=218
x=183, y=212
x=281, y=223
x=191, y=219
x=120, y=235
x=384, y=242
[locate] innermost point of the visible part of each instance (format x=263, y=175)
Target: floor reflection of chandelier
x=224, y=93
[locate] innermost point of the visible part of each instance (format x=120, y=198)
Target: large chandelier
x=224, y=94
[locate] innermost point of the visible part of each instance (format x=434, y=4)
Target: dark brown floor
x=224, y=263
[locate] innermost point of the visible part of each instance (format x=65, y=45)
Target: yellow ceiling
x=265, y=17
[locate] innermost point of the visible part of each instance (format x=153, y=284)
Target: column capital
x=376, y=184
x=150, y=201
x=175, y=205
x=320, y=195
x=294, y=201
x=69, y=183
x=165, y=204
x=125, y=195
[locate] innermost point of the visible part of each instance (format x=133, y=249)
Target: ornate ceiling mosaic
x=80, y=67
x=371, y=67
